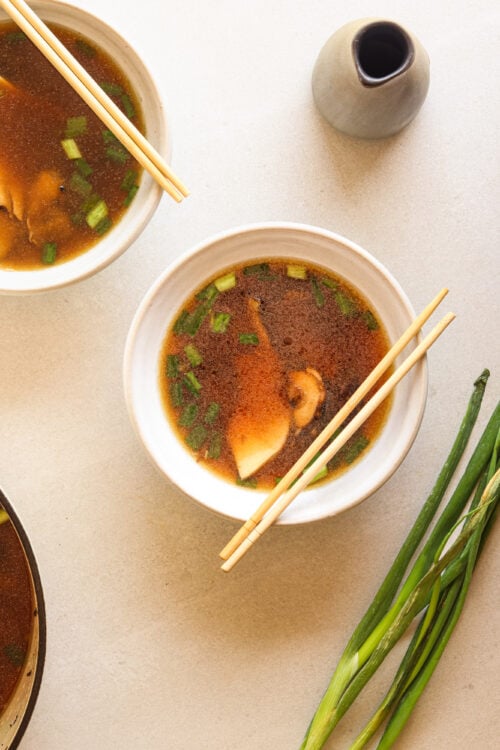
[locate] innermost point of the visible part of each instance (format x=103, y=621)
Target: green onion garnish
x=296, y=272
x=172, y=367
x=211, y=413
x=346, y=304
x=208, y=293
x=71, y=149
x=193, y=355
x=129, y=180
x=219, y=322
x=112, y=89
x=250, y=482
x=196, y=437
x=127, y=105
x=354, y=448
x=318, y=295
x=226, y=282
x=370, y=320
x=214, y=446
x=330, y=283
x=131, y=195
x=261, y=270
x=79, y=184
x=176, y=394
x=75, y=126
x=248, y=339
x=180, y=323
x=188, y=415
x=192, y=382
x=117, y=154
x=85, y=47
x=83, y=167
x=104, y=226
x=49, y=253
x=96, y=214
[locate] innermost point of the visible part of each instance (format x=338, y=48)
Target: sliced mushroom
x=259, y=427
x=306, y=393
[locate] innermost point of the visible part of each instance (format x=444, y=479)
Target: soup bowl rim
x=126, y=231
x=141, y=369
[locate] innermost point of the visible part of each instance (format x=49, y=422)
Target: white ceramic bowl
x=116, y=241
x=248, y=244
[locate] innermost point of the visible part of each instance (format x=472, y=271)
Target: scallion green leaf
x=250, y=339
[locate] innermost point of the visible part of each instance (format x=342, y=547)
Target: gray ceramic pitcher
x=371, y=78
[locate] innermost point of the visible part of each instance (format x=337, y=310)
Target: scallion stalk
x=434, y=581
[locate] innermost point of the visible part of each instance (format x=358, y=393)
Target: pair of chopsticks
x=283, y=494
x=93, y=95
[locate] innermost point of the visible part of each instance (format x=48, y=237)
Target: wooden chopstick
x=94, y=96
x=270, y=510
x=334, y=424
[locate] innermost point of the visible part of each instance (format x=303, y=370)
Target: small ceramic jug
x=370, y=78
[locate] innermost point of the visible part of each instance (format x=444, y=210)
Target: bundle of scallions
x=434, y=590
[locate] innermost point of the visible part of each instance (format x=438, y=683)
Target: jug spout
x=371, y=78
x=382, y=50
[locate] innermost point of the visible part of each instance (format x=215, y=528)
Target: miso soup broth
x=65, y=179
x=16, y=608
x=259, y=360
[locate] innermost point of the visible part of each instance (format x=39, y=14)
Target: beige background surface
x=149, y=644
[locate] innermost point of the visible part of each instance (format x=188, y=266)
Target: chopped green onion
x=172, y=367
x=85, y=47
x=370, y=320
x=14, y=37
x=129, y=180
x=193, y=355
x=320, y=475
x=208, y=293
x=318, y=295
x=109, y=137
x=117, y=154
x=346, y=304
x=354, y=448
x=15, y=654
x=248, y=339
x=261, y=270
x=49, y=253
x=112, y=89
x=131, y=195
x=215, y=446
x=96, y=214
x=226, y=282
x=104, y=226
x=75, y=126
x=83, y=167
x=195, y=319
x=219, y=322
x=71, y=149
x=296, y=272
x=188, y=415
x=79, y=184
x=128, y=107
x=192, y=382
x=330, y=283
x=176, y=394
x=180, y=323
x=196, y=437
x=211, y=413
x=250, y=482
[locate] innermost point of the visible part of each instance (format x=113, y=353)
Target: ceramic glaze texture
x=371, y=78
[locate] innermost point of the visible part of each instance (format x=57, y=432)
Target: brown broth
x=16, y=610
x=318, y=322
x=53, y=195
